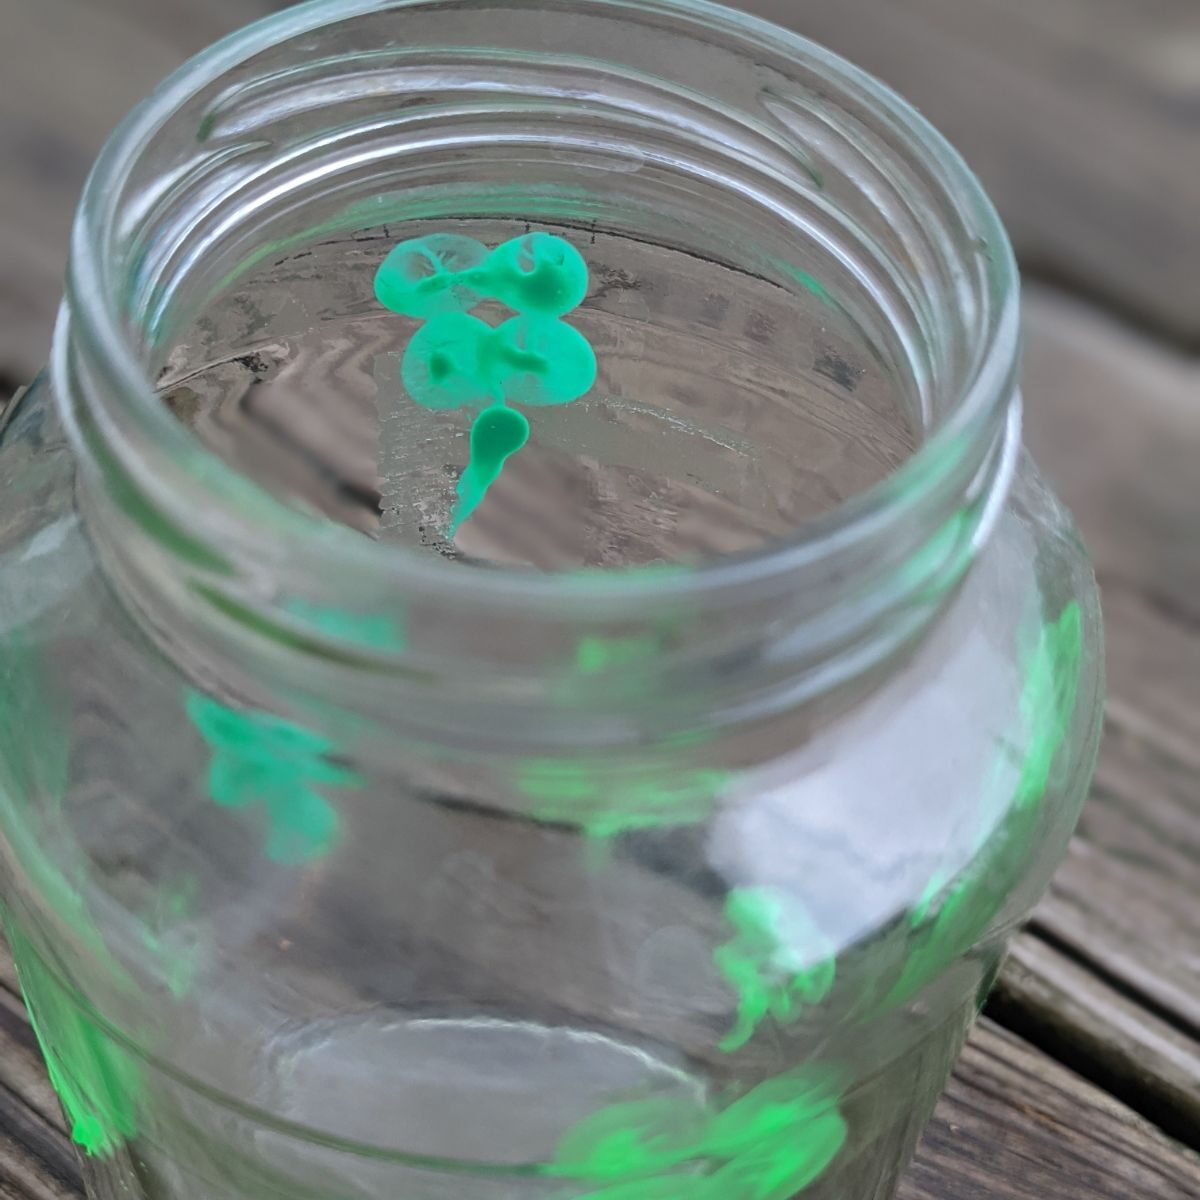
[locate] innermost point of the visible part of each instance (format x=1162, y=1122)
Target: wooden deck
x=1083, y=118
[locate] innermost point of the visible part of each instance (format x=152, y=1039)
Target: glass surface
x=655, y=833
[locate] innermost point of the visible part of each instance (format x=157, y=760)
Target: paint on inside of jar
x=263, y=761
x=1048, y=701
x=498, y=433
x=951, y=916
x=456, y=360
x=778, y=962
x=537, y=274
x=769, y=1144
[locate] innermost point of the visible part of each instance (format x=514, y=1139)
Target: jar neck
x=238, y=585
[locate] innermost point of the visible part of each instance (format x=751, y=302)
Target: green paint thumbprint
x=498, y=433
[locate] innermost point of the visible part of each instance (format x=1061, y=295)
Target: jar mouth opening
x=175, y=473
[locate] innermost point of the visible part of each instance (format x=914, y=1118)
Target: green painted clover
x=262, y=760
x=457, y=360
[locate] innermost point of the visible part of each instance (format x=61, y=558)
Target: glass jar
x=658, y=834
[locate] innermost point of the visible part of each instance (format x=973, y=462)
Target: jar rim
x=223, y=508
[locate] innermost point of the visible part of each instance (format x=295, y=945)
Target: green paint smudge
x=261, y=760
x=769, y=1144
x=778, y=962
x=179, y=966
x=1048, y=700
x=374, y=630
x=595, y=655
x=604, y=807
x=95, y=1081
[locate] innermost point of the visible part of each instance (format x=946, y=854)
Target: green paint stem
x=498, y=433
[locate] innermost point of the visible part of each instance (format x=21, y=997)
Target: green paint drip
x=456, y=360
x=778, y=1139
x=595, y=655
x=498, y=433
x=95, y=1081
x=951, y=920
x=260, y=760
x=778, y=962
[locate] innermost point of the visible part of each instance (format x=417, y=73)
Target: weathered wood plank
x=1105, y=1034
x=1113, y=419
x=72, y=70
x=1079, y=116
x=1014, y=1125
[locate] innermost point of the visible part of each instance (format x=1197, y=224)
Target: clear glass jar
x=658, y=835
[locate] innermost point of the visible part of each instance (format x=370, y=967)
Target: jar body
x=335, y=869
x=266, y=951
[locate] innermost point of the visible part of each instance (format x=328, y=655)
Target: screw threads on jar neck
x=309, y=121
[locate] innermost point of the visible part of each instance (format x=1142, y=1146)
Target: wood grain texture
x=1014, y=1125
x=1110, y=974
x=1096, y=1027
x=72, y=70
x=1080, y=117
